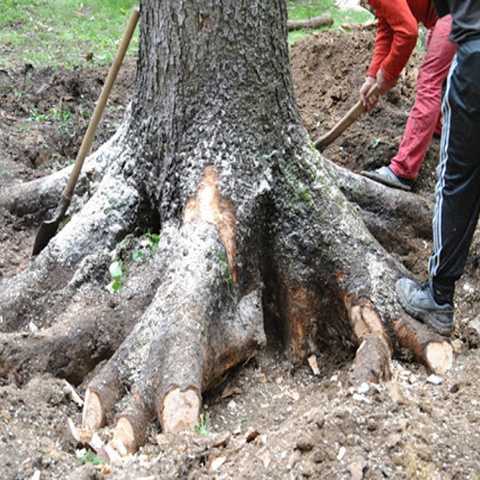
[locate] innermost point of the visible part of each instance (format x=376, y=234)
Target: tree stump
x=213, y=155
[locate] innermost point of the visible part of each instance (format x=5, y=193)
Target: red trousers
x=425, y=114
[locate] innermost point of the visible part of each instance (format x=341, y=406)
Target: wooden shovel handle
x=351, y=117
x=101, y=103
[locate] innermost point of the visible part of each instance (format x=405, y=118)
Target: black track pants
x=457, y=203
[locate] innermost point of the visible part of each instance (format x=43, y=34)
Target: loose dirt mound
x=328, y=70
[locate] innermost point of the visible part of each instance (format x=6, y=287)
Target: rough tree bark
x=252, y=219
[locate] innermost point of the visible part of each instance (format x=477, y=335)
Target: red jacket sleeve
x=397, y=33
x=383, y=43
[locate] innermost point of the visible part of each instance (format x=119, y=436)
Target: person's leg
x=457, y=203
x=424, y=115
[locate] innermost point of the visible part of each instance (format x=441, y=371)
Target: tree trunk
x=213, y=154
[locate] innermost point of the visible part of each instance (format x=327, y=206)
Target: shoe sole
x=385, y=181
x=422, y=316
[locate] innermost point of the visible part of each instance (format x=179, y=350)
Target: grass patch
x=67, y=32
x=305, y=9
x=61, y=32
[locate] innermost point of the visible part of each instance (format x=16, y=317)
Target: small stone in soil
x=304, y=444
x=363, y=389
x=435, y=380
x=372, y=425
x=455, y=388
x=341, y=453
x=251, y=435
x=320, y=421
x=357, y=469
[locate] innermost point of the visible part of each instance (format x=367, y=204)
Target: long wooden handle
x=350, y=118
x=101, y=103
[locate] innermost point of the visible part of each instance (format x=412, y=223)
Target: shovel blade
x=45, y=233
x=49, y=228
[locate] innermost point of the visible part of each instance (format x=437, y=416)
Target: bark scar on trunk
x=300, y=310
x=209, y=206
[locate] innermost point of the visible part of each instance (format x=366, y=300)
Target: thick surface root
x=167, y=381
x=386, y=211
x=194, y=330
x=338, y=261
x=43, y=194
x=108, y=216
x=433, y=350
x=373, y=356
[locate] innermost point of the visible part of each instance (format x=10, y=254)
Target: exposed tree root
x=384, y=209
x=433, y=350
x=109, y=215
x=194, y=330
x=171, y=375
x=43, y=194
x=336, y=259
x=372, y=359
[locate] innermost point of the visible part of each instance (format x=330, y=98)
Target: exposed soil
x=278, y=422
x=43, y=117
x=328, y=72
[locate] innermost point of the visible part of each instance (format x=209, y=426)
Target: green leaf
x=116, y=270
x=92, y=458
x=138, y=256
x=154, y=239
x=115, y=285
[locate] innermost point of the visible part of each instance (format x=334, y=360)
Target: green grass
x=305, y=9
x=61, y=32
x=66, y=32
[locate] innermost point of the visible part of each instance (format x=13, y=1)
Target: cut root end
x=124, y=439
x=93, y=416
x=429, y=348
x=180, y=410
x=439, y=357
x=373, y=357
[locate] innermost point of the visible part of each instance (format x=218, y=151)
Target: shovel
x=349, y=119
x=49, y=228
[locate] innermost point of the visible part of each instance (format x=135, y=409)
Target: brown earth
x=43, y=117
x=328, y=72
x=278, y=422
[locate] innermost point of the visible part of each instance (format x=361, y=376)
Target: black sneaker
x=385, y=176
x=418, y=301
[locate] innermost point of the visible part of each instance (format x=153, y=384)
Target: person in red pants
x=397, y=34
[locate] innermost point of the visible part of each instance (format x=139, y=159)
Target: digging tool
x=349, y=119
x=49, y=228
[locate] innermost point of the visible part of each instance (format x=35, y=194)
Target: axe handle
x=350, y=118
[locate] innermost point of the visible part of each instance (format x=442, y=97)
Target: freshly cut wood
x=180, y=410
x=429, y=348
x=373, y=356
x=176, y=399
x=315, y=22
x=312, y=361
